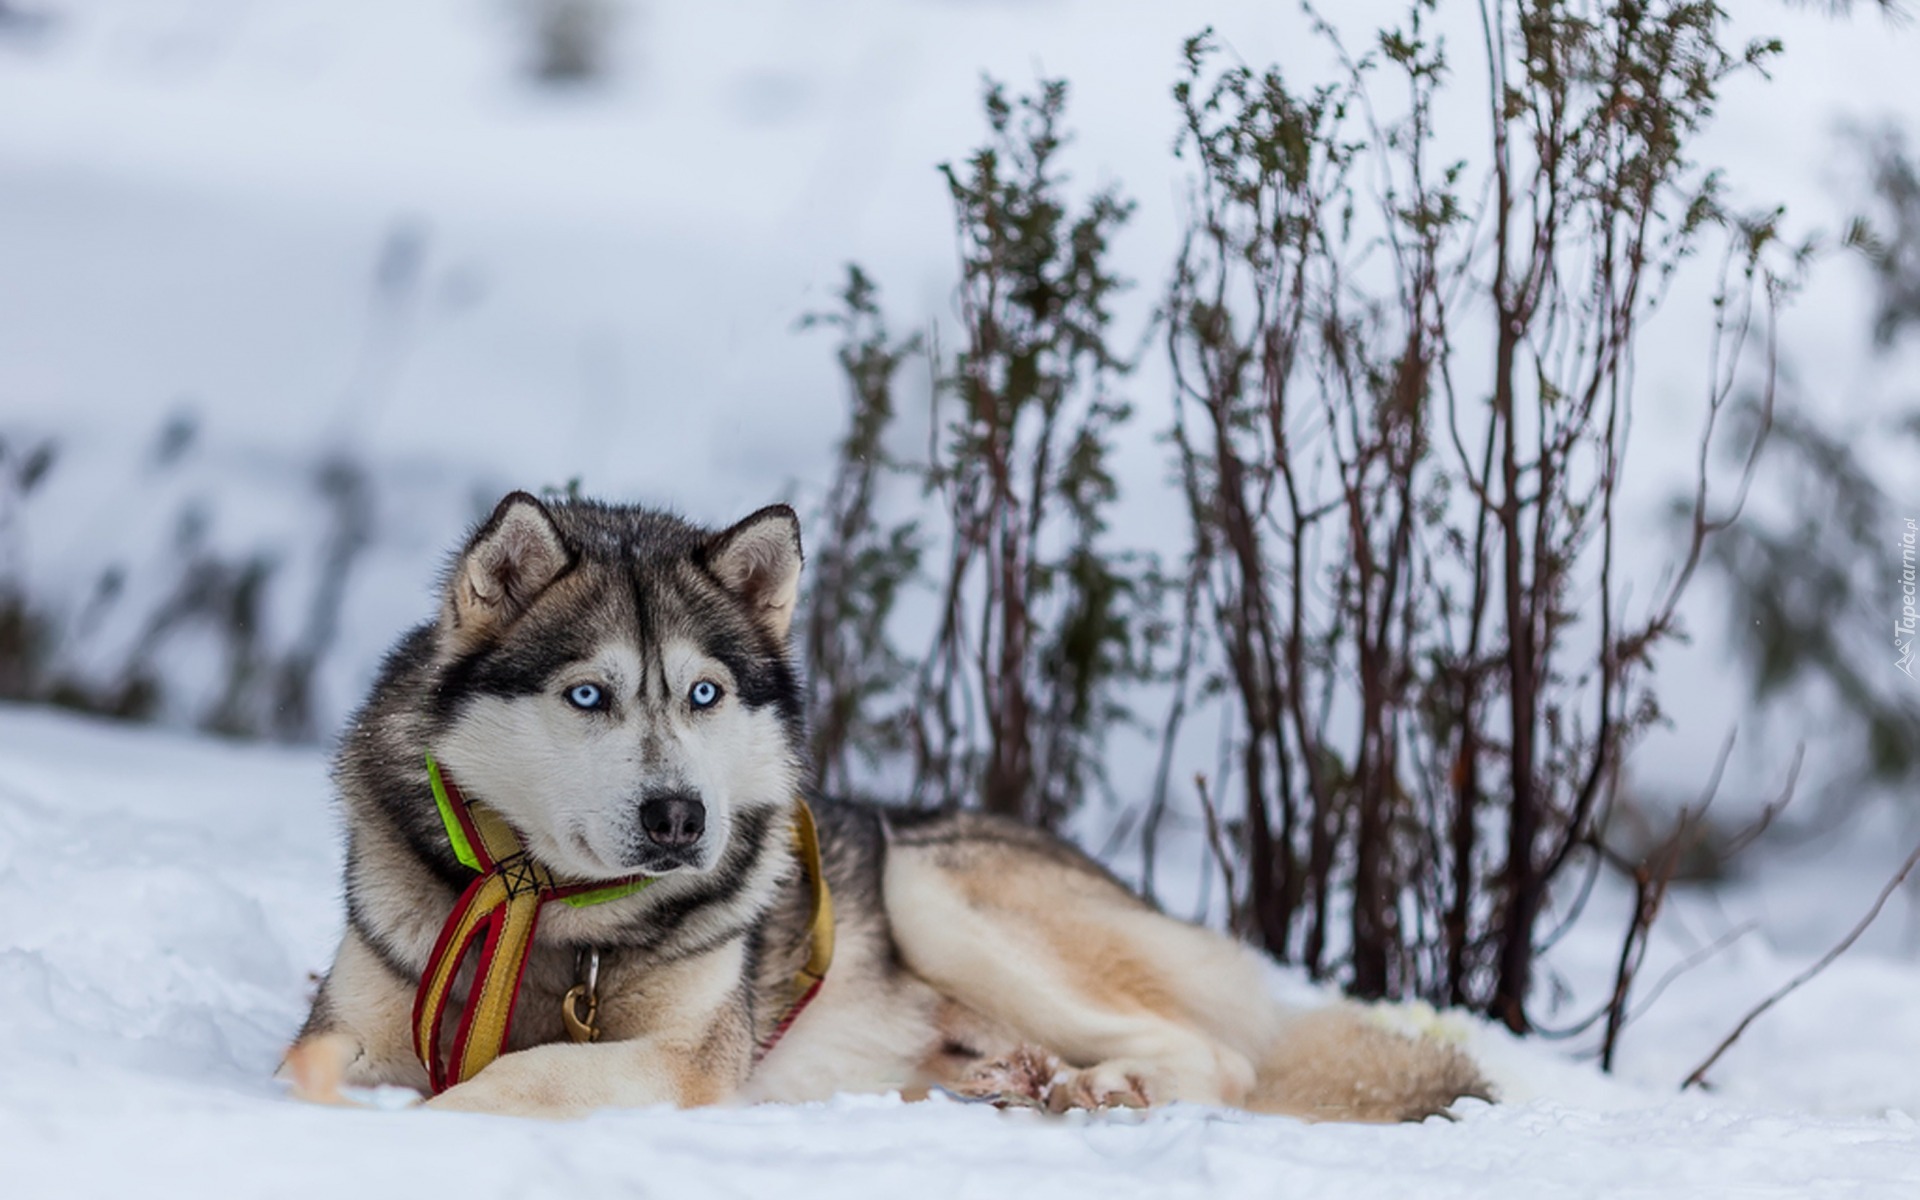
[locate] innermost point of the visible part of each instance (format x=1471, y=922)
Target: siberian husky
x=616, y=684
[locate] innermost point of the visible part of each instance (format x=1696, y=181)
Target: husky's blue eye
x=586, y=695
x=704, y=694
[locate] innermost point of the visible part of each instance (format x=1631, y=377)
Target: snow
x=165, y=899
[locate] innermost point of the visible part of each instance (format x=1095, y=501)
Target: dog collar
x=502, y=906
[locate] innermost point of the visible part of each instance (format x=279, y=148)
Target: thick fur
x=973, y=954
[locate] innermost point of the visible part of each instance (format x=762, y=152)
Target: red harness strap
x=500, y=910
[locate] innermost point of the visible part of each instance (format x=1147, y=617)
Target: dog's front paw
x=464, y=1098
x=315, y=1067
x=564, y=1081
x=508, y=1093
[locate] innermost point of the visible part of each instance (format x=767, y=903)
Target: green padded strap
x=462, y=850
x=610, y=892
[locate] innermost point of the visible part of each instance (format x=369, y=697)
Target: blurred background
x=291, y=293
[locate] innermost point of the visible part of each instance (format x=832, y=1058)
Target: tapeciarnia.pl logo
x=1904, y=627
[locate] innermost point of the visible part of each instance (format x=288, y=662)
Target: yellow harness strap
x=501, y=908
x=813, y=972
x=806, y=843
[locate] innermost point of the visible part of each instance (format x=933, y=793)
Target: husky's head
x=617, y=683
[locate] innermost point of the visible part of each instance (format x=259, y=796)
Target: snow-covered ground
x=164, y=900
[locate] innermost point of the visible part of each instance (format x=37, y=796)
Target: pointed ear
x=510, y=560
x=758, y=560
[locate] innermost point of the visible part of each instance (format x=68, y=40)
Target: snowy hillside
x=165, y=899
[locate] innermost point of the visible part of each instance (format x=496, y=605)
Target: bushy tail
x=1320, y=1064
x=1336, y=1065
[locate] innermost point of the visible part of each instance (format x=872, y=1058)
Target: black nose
x=674, y=821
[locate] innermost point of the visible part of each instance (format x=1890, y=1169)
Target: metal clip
x=583, y=1028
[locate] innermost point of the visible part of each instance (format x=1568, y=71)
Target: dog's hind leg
x=1073, y=965
x=1066, y=964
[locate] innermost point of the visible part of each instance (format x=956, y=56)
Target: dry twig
x=1699, y=1076
x=1217, y=840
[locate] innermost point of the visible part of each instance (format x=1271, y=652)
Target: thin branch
x=1217, y=840
x=1697, y=958
x=1698, y=1078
